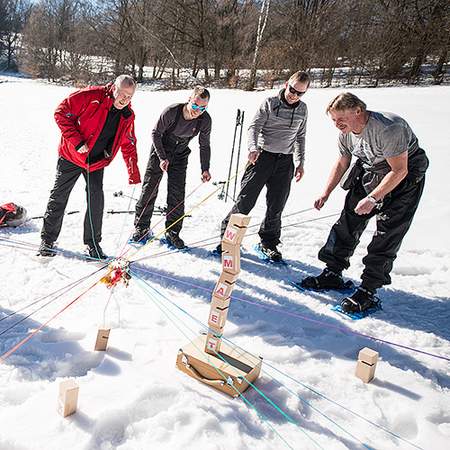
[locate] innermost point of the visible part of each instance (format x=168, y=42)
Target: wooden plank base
x=227, y=372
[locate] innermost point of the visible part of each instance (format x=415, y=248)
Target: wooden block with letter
x=225, y=285
x=233, y=235
x=367, y=363
x=231, y=260
x=229, y=370
x=102, y=339
x=68, y=397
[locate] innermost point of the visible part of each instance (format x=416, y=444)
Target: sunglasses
x=196, y=107
x=295, y=92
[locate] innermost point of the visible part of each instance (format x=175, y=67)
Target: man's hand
x=164, y=165
x=321, y=201
x=83, y=149
x=206, y=176
x=253, y=156
x=365, y=206
x=299, y=171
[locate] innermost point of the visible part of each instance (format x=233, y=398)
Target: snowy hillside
x=132, y=396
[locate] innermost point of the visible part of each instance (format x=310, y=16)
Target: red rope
x=25, y=340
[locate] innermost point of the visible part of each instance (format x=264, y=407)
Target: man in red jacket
x=95, y=123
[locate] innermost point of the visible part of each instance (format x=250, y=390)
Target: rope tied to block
x=118, y=272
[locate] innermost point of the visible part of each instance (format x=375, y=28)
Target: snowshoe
x=95, y=252
x=362, y=303
x=269, y=254
x=327, y=280
x=47, y=249
x=173, y=241
x=141, y=236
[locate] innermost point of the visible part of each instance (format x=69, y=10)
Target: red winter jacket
x=81, y=118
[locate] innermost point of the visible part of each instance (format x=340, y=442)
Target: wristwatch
x=372, y=199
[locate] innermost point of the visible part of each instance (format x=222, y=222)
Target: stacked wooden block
x=231, y=266
x=207, y=359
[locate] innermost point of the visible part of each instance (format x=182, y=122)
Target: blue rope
x=307, y=387
x=247, y=402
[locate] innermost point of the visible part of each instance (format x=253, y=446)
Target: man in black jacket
x=176, y=126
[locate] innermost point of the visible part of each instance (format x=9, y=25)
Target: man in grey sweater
x=276, y=142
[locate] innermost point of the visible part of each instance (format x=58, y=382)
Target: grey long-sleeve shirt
x=183, y=129
x=278, y=127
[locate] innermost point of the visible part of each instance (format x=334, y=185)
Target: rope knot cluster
x=118, y=272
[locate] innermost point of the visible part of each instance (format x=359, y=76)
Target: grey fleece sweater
x=279, y=128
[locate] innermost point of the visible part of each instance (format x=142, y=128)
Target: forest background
x=228, y=43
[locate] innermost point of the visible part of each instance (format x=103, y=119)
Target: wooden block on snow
x=367, y=363
x=102, y=339
x=368, y=355
x=68, y=397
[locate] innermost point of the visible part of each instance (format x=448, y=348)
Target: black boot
x=46, y=249
x=326, y=280
x=142, y=235
x=271, y=252
x=95, y=252
x=173, y=238
x=361, y=300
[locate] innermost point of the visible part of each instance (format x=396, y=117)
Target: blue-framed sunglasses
x=196, y=107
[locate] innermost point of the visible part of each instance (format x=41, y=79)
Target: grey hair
x=344, y=101
x=124, y=80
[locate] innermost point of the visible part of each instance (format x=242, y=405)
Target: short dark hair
x=300, y=77
x=200, y=91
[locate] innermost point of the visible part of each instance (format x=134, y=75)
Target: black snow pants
x=67, y=175
x=177, y=151
x=393, y=221
x=275, y=171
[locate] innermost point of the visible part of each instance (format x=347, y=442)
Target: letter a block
x=102, y=339
x=225, y=285
x=68, y=398
x=367, y=363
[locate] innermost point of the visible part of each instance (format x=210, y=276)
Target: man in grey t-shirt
x=276, y=145
x=387, y=180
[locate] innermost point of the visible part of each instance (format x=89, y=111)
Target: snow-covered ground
x=132, y=396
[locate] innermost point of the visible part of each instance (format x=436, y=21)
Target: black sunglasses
x=295, y=92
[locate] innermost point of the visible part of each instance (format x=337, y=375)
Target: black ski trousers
x=393, y=220
x=176, y=186
x=67, y=175
x=275, y=171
